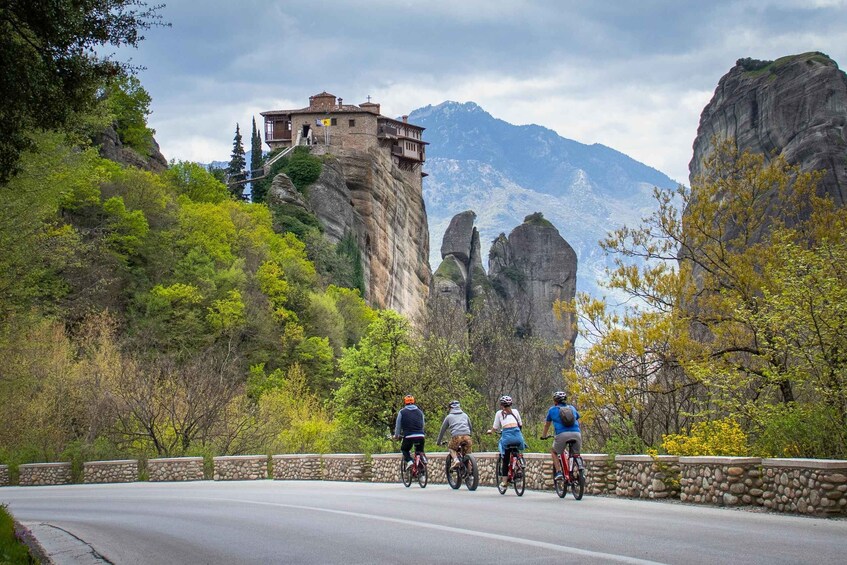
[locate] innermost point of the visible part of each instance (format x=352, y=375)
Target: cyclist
x=508, y=421
x=564, y=432
x=410, y=426
x=460, y=431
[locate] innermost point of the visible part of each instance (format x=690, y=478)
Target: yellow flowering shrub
x=715, y=437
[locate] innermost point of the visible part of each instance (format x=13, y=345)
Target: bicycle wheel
x=578, y=484
x=559, y=484
x=498, y=477
x=471, y=472
x=519, y=479
x=405, y=474
x=454, y=478
x=422, y=475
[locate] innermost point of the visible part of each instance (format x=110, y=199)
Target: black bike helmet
x=560, y=396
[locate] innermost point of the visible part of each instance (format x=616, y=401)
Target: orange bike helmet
x=408, y=399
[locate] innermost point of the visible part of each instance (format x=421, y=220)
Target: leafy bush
x=303, y=168
x=798, y=430
x=294, y=219
x=129, y=104
x=715, y=437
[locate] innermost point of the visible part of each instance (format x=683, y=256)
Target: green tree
x=129, y=105
x=235, y=170
x=53, y=65
x=373, y=377
x=256, y=159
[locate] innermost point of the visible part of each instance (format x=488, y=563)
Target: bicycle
x=465, y=472
x=573, y=472
x=416, y=471
x=516, y=471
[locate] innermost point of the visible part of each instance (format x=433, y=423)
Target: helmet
x=408, y=399
x=506, y=400
x=454, y=404
x=560, y=396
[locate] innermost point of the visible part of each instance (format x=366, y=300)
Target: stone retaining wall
x=125, y=471
x=646, y=476
x=807, y=486
x=306, y=467
x=241, y=468
x=725, y=481
x=346, y=467
x=37, y=474
x=175, y=469
x=601, y=473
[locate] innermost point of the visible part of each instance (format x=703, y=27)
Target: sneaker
x=558, y=476
x=408, y=465
x=504, y=483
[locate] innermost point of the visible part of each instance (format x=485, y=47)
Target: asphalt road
x=329, y=522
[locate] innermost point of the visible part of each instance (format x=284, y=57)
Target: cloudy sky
x=633, y=75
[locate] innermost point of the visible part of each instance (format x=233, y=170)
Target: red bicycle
x=573, y=472
x=417, y=470
x=515, y=471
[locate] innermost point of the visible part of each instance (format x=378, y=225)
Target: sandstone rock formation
x=529, y=270
x=795, y=106
x=363, y=193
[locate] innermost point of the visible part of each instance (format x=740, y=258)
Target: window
x=351, y=123
x=333, y=122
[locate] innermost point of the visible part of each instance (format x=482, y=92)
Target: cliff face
x=795, y=106
x=111, y=147
x=363, y=193
x=529, y=270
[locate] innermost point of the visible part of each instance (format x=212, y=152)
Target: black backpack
x=567, y=416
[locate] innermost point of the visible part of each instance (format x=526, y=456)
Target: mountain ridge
x=479, y=162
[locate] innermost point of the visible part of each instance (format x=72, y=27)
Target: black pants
x=407, y=444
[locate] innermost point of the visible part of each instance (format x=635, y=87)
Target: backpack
x=566, y=415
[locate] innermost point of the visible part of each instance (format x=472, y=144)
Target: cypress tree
x=255, y=161
x=235, y=171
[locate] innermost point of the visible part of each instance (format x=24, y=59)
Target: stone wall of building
x=807, y=486
x=175, y=469
x=4, y=475
x=306, y=467
x=241, y=468
x=37, y=474
x=647, y=476
x=125, y=471
x=725, y=481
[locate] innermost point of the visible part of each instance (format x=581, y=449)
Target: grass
x=12, y=551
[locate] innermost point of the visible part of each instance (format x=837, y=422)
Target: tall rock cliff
x=529, y=270
x=795, y=106
x=365, y=194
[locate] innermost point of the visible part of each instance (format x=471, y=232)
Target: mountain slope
x=504, y=172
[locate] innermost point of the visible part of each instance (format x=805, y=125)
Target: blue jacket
x=410, y=422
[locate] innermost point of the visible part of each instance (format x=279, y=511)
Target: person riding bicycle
x=410, y=426
x=565, y=431
x=508, y=421
x=460, y=432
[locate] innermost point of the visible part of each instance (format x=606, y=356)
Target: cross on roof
x=369, y=97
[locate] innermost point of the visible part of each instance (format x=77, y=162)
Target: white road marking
x=463, y=531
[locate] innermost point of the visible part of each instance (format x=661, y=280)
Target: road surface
x=332, y=522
